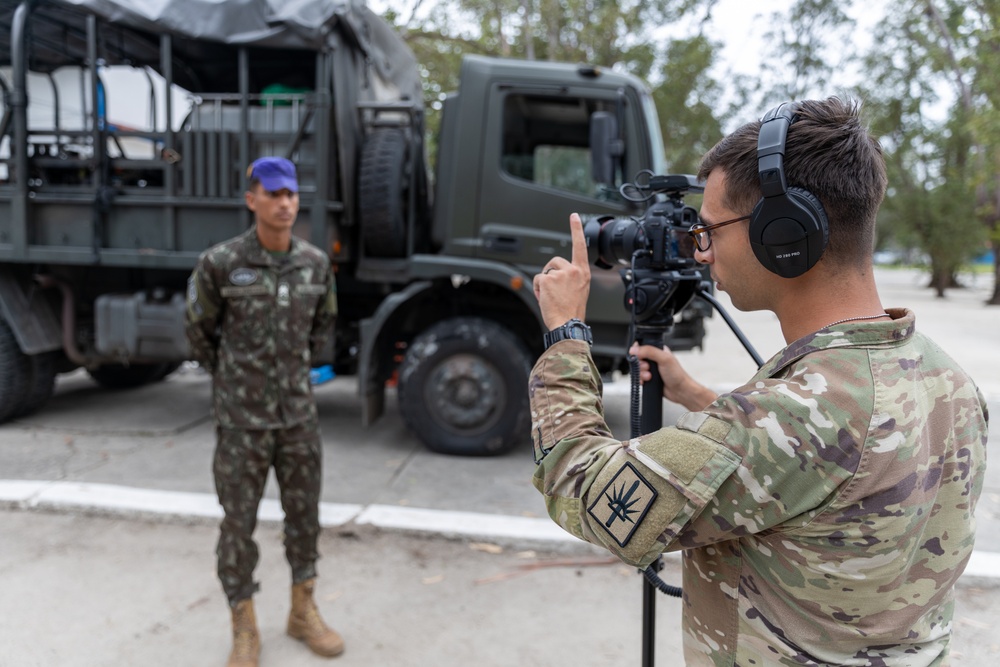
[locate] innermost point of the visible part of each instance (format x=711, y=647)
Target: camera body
x=655, y=252
x=659, y=238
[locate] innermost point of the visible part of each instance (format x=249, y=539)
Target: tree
x=686, y=99
x=943, y=173
x=969, y=52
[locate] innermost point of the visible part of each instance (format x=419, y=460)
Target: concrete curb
x=126, y=501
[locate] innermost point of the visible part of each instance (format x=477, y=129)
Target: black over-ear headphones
x=788, y=226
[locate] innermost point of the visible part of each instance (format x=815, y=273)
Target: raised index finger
x=579, y=242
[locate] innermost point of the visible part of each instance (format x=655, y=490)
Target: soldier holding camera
x=824, y=509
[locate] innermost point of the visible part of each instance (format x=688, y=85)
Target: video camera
x=660, y=273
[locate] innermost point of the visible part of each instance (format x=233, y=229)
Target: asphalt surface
x=108, y=526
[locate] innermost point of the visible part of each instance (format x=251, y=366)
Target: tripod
x=650, y=330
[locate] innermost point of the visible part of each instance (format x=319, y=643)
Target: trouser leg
x=298, y=468
x=242, y=460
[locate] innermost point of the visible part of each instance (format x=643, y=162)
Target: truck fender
x=436, y=266
x=372, y=391
x=30, y=314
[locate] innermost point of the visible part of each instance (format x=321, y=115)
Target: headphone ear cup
x=818, y=225
x=789, y=233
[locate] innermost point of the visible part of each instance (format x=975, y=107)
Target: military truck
x=104, y=210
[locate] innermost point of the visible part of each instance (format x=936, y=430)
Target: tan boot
x=305, y=623
x=246, y=639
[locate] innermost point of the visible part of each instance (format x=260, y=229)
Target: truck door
x=536, y=171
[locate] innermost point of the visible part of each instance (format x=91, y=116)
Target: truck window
x=546, y=140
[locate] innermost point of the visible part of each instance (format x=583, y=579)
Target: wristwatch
x=574, y=329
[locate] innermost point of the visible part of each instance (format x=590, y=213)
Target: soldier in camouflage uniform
x=824, y=509
x=260, y=308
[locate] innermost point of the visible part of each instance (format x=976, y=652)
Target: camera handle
x=651, y=420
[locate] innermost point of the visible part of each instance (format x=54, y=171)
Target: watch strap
x=573, y=330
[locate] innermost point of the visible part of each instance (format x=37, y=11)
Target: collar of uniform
x=859, y=333
x=257, y=255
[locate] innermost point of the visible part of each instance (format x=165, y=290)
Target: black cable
x=732, y=325
x=651, y=575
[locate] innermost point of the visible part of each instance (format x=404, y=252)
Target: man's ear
x=251, y=200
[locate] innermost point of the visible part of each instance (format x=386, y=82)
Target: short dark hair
x=830, y=153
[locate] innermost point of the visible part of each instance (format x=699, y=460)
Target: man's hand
x=678, y=386
x=562, y=287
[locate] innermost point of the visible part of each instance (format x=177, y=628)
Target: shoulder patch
x=243, y=276
x=623, y=503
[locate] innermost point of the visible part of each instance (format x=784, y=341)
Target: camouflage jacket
x=824, y=509
x=256, y=322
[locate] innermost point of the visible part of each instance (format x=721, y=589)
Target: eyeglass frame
x=702, y=228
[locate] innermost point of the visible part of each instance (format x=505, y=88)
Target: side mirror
x=606, y=147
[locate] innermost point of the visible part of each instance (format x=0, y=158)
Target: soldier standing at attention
x=824, y=509
x=260, y=308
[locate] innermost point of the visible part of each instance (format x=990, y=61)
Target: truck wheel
x=383, y=192
x=463, y=388
x=42, y=380
x=119, y=376
x=15, y=374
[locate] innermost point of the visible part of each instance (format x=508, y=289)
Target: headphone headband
x=771, y=149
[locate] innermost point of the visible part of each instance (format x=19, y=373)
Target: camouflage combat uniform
x=824, y=509
x=255, y=321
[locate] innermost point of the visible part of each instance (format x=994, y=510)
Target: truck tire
x=383, y=192
x=463, y=388
x=41, y=382
x=119, y=376
x=15, y=374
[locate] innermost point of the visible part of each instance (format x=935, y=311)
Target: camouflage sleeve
x=204, y=310
x=798, y=449
x=326, y=316
x=630, y=497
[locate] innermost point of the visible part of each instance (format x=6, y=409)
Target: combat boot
x=305, y=623
x=246, y=639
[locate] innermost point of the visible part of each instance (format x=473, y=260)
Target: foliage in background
x=943, y=178
x=598, y=32
x=944, y=167
x=689, y=102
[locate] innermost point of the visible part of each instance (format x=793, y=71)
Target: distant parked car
x=886, y=257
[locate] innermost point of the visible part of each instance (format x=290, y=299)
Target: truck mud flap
x=31, y=316
x=370, y=388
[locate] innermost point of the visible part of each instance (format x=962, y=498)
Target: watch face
x=574, y=329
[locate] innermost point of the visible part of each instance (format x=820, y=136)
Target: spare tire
x=384, y=191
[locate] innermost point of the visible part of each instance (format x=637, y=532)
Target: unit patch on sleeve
x=623, y=503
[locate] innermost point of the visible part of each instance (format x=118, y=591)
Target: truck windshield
x=655, y=135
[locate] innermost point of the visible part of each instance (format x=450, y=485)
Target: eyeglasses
x=702, y=233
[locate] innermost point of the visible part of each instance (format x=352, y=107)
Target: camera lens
x=612, y=240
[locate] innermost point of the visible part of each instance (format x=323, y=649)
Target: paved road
x=107, y=524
